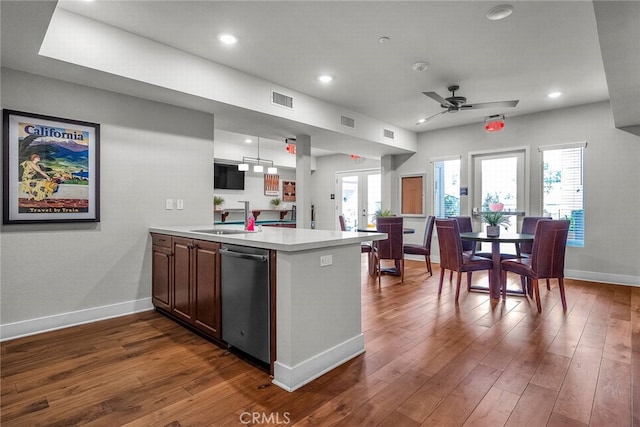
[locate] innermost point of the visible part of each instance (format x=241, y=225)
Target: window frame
x=576, y=235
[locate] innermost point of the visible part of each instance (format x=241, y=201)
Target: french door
x=358, y=197
x=499, y=177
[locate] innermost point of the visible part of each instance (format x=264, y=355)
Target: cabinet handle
x=193, y=246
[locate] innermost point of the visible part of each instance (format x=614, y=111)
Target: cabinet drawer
x=161, y=240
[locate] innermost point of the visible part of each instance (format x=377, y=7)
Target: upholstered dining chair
x=452, y=256
x=546, y=260
x=529, y=227
x=391, y=247
x=425, y=248
x=365, y=247
x=466, y=226
x=343, y=224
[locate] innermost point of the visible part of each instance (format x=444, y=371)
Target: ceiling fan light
x=499, y=12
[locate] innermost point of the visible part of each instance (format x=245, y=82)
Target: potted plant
x=217, y=202
x=494, y=219
x=385, y=212
x=275, y=203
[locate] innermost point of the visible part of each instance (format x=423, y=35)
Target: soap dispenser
x=251, y=221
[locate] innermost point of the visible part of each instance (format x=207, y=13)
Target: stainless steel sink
x=221, y=231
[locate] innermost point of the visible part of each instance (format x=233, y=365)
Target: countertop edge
x=280, y=239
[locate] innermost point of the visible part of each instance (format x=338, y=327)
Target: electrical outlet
x=179, y=204
x=168, y=204
x=326, y=260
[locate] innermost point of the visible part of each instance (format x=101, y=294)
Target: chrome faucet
x=246, y=212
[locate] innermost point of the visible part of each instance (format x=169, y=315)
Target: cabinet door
x=161, y=277
x=207, y=287
x=182, y=273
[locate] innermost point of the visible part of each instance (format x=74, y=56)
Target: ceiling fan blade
x=497, y=104
x=431, y=117
x=438, y=99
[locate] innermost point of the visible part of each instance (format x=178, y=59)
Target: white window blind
x=563, y=187
x=446, y=187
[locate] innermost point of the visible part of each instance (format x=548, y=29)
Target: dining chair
x=546, y=260
x=365, y=247
x=425, y=248
x=452, y=256
x=529, y=227
x=391, y=247
x=466, y=226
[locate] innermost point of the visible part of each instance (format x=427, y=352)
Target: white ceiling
x=543, y=46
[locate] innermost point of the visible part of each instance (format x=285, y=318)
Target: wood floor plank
x=575, y=399
x=612, y=404
x=494, y=409
x=534, y=407
x=428, y=361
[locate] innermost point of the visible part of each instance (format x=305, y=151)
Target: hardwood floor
x=428, y=362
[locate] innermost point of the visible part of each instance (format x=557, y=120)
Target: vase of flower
x=494, y=219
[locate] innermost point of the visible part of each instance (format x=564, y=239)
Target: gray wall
x=611, y=177
x=54, y=273
x=323, y=181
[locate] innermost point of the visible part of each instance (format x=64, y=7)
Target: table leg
x=494, y=276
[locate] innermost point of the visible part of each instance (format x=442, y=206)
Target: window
x=562, y=187
x=446, y=187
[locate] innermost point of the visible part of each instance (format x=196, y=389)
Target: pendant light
x=258, y=166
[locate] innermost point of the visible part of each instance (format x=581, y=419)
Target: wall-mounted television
x=227, y=177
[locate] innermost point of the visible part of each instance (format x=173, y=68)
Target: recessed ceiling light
x=499, y=12
x=554, y=94
x=384, y=39
x=325, y=78
x=248, y=141
x=227, y=38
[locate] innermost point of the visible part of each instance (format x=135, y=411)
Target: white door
x=499, y=177
x=358, y=197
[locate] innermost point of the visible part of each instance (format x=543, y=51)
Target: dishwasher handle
x=230, y=253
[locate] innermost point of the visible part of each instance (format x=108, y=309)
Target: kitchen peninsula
x=316, y=287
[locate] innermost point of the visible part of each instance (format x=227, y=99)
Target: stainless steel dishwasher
x=246, y=304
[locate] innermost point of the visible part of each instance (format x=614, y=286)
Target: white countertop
x=278, y=238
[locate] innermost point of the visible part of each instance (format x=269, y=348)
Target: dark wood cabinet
x=182, y=306
x=206, y=287
x=186, y=281
x=162, y=271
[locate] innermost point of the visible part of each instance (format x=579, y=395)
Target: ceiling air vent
x=388, y=134
x=282, y=100
x=347, y=121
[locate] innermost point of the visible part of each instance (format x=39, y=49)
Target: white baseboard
x=292, y=378
x=65, y=320
x=593, y=276
x=589, y=276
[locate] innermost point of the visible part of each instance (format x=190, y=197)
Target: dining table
x=495, y=274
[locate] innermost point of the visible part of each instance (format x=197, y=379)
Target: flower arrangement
x=494, y=218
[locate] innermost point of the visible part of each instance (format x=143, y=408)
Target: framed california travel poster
x=51, y=169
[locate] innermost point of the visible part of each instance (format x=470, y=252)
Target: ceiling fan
x=454, y=103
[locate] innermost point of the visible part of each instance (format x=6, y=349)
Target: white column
x=389, y=185
x=303, y=181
